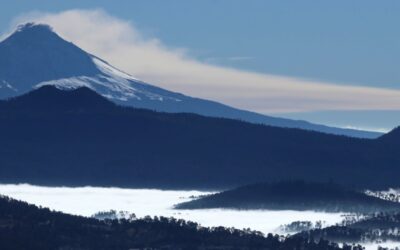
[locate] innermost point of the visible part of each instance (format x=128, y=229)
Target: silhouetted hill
x=393, y=137
x=34, y=56
x=293, y=195
x=24, y=226
x=49, y=99
x=55, y=137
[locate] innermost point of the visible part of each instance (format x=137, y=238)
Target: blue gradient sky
x=344, y=42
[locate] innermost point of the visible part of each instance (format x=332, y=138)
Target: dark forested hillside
x=379, y=227
x=56, y=137
x=391, y=139
x=293, y=195
x=24, y=226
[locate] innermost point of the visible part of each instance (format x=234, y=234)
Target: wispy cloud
x=230, y=59
x=240, y=58
x=123, y=45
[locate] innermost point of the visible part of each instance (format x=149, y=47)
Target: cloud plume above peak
x=120, y=43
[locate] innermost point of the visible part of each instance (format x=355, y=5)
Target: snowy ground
x=88, y=200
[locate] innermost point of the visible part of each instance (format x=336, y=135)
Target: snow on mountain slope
x=34, y=56
x=111, y=83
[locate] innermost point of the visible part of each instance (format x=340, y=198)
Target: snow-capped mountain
x=34, y=56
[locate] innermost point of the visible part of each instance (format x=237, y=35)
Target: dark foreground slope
x=24, y=226
x=293, y=195
x=54, y=137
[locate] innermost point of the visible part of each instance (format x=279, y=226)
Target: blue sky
x=340, y=42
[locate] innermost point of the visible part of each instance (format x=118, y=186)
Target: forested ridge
x=379, y=227
x=294, y=195
x=55, y=137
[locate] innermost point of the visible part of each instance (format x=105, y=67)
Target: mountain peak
x=31, y=26
x=33, y=32
x=34, y=53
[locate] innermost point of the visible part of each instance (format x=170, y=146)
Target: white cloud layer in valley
x=88, y=200
x=123, y=45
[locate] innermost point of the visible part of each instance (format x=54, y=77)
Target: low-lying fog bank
x=87, y=201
